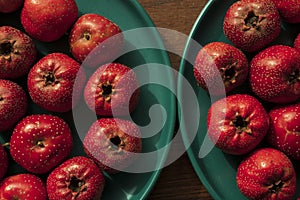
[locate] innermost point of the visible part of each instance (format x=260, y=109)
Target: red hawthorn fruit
x=40, y=142
x=77, y=178
x=23, y=186
x=220, y=59
x=237, y=123
x=252, y=24
x=113, y=143
x=3, y=162
x=49, y=20
x=9, y=6
x=113, y=89
x=289, y=10
x=275, y=74
x=17, y=53
x=13, y=104
x=55, y=82
x=267, y=174
x=297, y=42
x=95, y=40
x=284, y=130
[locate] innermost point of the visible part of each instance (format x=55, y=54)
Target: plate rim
x=190, y=153
x=166, y=60
x=163, y=58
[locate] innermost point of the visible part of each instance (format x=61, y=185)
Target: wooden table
x=178, y=181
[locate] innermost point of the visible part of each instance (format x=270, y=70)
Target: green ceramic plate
x=128, y=15
x=216, y=170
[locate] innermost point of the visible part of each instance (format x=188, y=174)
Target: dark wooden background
x=178, y=181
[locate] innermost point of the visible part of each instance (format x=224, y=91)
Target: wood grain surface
x=177, y=181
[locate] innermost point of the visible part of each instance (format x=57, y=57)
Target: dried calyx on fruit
x=252, y=24
x=17, y=53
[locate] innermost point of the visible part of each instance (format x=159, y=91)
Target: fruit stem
x=40, y=144
x=6, y=144
x=87, y=36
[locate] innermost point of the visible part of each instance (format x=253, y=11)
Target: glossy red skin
x=58, y=95
x=52, y=131
x=46, y=21
x=13, y=104
x=83, y=169
x=289, y=10
x=213, y=60
x=103, y=34
x=124, y=97
x=263, y=168
x=223, y=131
x=3, y=162
x=297, y=43
x=109, y=157
x=22, y=56
x=269, y=72
x=248, y=38
x=23, y=186
x=284, y=130
x=9, y=6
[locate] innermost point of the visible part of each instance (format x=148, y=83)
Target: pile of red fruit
x=41, y=143
x=262, y=122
